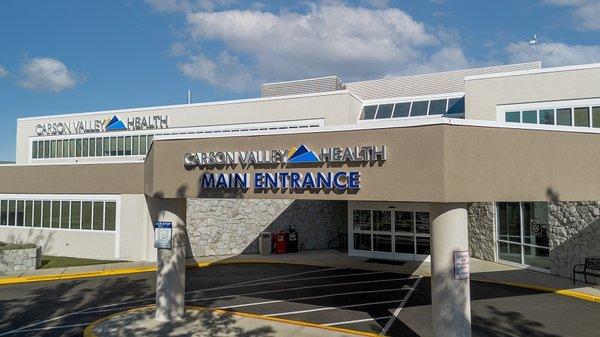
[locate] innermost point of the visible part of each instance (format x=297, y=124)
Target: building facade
x=361, y=162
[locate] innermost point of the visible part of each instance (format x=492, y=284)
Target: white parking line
x=294, y=280
x=297, y=288
x=359, y=320
x=314, y=297
x=331, y=308
x=397, y=311
x=49, y=328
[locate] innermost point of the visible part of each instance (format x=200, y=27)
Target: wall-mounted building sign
x=102, y=125
x=320, y=180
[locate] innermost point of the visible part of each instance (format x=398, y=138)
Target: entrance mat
x=392, y=262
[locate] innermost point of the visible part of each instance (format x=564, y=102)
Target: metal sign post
x=163, y=233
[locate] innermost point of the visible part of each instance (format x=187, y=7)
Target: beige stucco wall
x=435, y=163
x=136, y=240
x=334, y=108
x=86, y=244
x=483, y=95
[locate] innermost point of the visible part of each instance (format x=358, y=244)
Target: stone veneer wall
x=574, y=234
x=232, y=226
x=20, y=259
x=481, y=230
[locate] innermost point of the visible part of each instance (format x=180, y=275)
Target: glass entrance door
x=391, y=232
x=523, y=233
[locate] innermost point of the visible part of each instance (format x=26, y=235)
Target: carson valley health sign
x=294, y=157
x=101, y=125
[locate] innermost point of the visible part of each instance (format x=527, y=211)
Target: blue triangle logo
x=303, y=155
x=115, y=124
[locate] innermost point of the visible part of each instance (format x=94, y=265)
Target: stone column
x=450, y=298
x=170, y=276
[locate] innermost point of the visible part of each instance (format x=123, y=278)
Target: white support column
x=170, y=276
x=451, y=299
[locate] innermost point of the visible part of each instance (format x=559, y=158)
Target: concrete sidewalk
x=205, y=322
x=480, y=270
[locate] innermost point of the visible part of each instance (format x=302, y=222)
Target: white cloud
x=329, y=38
x=586, y=12
x=3, y=72
x=46, y=74
x=553, y=53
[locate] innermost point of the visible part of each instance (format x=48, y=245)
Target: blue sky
x=77, y=56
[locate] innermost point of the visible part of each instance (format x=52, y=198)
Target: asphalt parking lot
x=370, y=301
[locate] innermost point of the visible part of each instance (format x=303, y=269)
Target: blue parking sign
x=163, y=234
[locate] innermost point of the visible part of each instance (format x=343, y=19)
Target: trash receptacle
x=292, y=246
x=264, y=243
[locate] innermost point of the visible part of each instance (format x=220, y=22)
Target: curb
x=89, y=330
x=564, y=292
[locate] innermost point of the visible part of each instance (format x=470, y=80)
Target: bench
x=590, y=267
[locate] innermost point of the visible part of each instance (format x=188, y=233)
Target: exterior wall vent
x=307, y=86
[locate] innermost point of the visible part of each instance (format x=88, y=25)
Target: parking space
x=370, y=301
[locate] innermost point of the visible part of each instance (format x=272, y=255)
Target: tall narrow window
x=47, y=149
x=99, y=147
x=128, y=145
x=71, y=147
x=92, y=147
x=75, y=214
x=65, y=213
x=106, y=146
x=55, y=214
x=46, y=213
x=59, y=149
x=12, y=207
x=596, y=116
x=113, y=146
x=110, y=216
x=120, y=146
x=78, y=147
x=143, y=145
x=37, y=214
x=136, y=145
x=86, y=215
x=65, y=146
x=20, y=212
x=85, y=147
x=53, y=149
x=3, y=212
x=34, y=150
x=28, y=213
x=98, y=215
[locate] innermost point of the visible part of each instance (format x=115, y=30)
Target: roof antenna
x=189, y=97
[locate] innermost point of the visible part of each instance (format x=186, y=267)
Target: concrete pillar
x=450, y=298
x=170, y=276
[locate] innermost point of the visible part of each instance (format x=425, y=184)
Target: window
x=404, y=221
x=106, y=144
x=46, y=214
x=12, y=207
x=128, y=145
x=513, y=116
x=120, y=146
x=4, y=213
x=563, y=117
x=37, y=214
x=34, y=150
x=456, y=106
x=77, y=147
x=86, y=215
x=75, y=214
x=546, y=116
x=99, y=147
x=382, y=243
x=59, y=149
x=530, y=116
x=362, y=241
x=382, y=221
x=55, y=214
x=20, y=212
x=28, y=213
x=385, y=111
x=71, y=147
x=523, y=233
x=369, y=112
x=582, y=116
x=362, y=220
x=85, y=148
x=143, y=145
x=110, y=216
x=47, y=149
x=92, y=147
x=136, y=145
x=98, y=215
x=596, y=116
x=437, y=107
x=65, y=148
x=65, y=213
x=113, y=146
x=52, y=149
x=419, y=108
x=401, y=109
